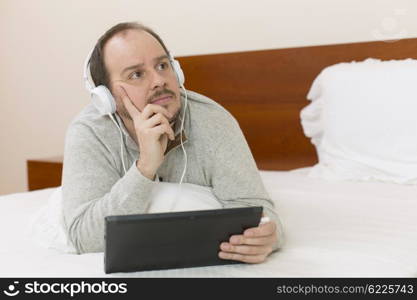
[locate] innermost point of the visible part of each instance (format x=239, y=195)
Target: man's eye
x=162, y=66
x=136, y=75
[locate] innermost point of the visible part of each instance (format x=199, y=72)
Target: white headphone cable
x=182, y=126
x=121, y=141
x=183, y=149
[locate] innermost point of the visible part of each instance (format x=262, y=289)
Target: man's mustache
x=160, y=93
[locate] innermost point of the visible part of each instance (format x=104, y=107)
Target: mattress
x=332, y=229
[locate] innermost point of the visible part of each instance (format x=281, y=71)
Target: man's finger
x=246, y=249
x=164, y=129
x=151, y=109
x=133, y=111
x=262, y=230
x=156, y=119
x=242, y=240
x=250, y=259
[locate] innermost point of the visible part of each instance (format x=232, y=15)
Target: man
x=132, y=62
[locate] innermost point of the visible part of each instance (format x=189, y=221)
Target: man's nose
x=158, y=80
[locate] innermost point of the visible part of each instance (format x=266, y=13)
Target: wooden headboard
x=265, y=91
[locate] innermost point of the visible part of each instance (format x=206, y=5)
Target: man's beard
x=122, y=111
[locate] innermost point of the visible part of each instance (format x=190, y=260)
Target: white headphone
x=104, y=101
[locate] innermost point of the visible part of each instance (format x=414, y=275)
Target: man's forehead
x=129, y=46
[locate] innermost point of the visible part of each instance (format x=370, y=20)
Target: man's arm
x=236, y=182
x=93, y=188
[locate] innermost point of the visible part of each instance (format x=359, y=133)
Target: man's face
x=136, y=61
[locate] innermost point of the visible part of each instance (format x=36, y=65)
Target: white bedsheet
x=333, y=229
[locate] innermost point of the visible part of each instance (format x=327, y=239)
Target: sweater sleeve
x=93, y=188
x=235, y=177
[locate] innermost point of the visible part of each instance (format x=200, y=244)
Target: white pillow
x=47, y=225
x=363, y=121
x=166, y=197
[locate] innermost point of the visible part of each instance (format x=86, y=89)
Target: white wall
x=44, y=43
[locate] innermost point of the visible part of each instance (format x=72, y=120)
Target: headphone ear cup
x=103, y=100
x=178, y=71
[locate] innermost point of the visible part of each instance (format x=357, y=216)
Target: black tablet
x=173, y=240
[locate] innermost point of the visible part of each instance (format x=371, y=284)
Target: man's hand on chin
x=253, y=246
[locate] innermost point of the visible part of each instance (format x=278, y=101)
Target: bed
x=333, y=229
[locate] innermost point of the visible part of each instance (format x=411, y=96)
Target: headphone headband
x=89, y=86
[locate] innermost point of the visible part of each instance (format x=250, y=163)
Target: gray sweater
x=94, y=184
